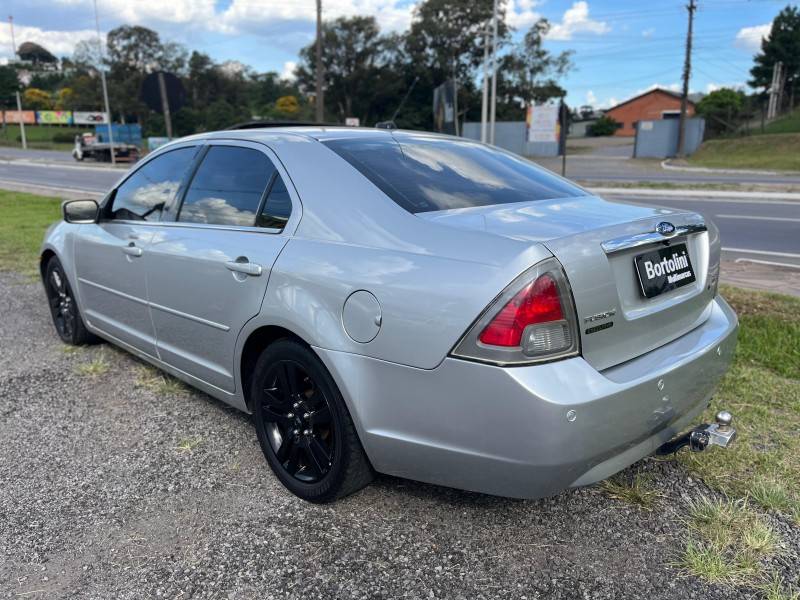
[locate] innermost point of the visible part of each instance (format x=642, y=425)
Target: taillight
x=531, y=321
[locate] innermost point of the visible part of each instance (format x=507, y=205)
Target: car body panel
x=419, y=412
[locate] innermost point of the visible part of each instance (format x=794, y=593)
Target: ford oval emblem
x=665, y=228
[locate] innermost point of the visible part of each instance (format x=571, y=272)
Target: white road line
x=757, y=218
x=764, y=252
x=766, y=262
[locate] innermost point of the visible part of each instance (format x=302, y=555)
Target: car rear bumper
x=531, y=431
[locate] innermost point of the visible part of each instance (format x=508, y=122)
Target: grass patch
x=24, y=220
x=762, y=390
x=94, y=368
x=41, y=137
x=636, y=490
x=728, y=542
x=788, y=124
x=188, y=444
x=771, y=152
x=158, y=382
x=690, y=185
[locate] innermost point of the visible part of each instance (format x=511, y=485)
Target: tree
x=355, y=68
x=783, y=44
x=287, y=105
x=722, y=109
x=36, y=99
x=9, y=85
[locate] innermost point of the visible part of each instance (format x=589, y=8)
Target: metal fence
x=511, y=135
x=659, y=139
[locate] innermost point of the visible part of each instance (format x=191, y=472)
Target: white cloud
x=750, y=37
x=288, y=70
x=713, y=87
x=648, y=32
x=520, y=14
x=59, y=43
x=199, y=12
x=576, y=20
x=591, y=98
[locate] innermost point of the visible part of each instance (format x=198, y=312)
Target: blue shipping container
x=128, y=133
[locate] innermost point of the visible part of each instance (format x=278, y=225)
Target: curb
x=666, y=165
x=690, y=193
x=66, y=193
x=26, y=162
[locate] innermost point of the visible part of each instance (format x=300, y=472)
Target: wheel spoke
x=273, y=416
x=321, y=416
x=320, y=459
x=293, y=464
x=274, y=397
x=287, y=443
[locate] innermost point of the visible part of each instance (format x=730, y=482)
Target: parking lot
x=119, y=484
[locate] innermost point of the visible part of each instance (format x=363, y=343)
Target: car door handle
x=132, y=250
x=248, y=268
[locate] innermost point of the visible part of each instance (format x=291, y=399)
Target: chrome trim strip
x=651, y=237
x=112, y=291
x=178, y=313
x=253, y=229
x=171, y=311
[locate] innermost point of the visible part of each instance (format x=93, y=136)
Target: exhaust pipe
x=720, y=433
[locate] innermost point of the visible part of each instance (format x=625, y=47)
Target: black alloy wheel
x=303, y=424
x=298, y=421
x=63, y=306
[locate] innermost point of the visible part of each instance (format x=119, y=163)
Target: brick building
x=652, y=105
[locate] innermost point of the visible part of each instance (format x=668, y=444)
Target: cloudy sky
x=621, y=47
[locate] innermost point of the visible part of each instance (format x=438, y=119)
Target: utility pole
x=485, y=99
x=21, y=123
x=775, y=90
x=105, y=86
x=320, y=100
x=687, y=72
x=13, y=42
x=494, y=73
x=162, y=88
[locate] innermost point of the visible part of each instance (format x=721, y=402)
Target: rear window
x=423, y=173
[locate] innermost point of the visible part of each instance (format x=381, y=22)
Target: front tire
x=63, y=306
x=303, y=425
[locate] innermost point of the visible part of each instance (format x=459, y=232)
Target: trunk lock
x=720, y=433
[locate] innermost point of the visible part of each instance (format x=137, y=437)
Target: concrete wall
x=647, y=107
x=659, y=139
x=510, y=135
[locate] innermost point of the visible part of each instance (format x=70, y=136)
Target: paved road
x=753, y=230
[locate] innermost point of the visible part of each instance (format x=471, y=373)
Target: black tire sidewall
x=328, y=487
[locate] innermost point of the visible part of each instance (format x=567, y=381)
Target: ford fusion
x=404, y=303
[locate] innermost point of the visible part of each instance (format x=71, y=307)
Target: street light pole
x=494, y=73
x=105, y=86
x=320, y=93
x=485, y=98
x=13, y=41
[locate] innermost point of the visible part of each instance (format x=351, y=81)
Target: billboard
x=89, y=118
x=444, y=108
x=54, y=117
x=20, y=116
x=542, y=123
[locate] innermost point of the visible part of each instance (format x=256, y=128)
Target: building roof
x=652, y=91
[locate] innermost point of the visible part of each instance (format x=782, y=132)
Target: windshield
x=425, y=173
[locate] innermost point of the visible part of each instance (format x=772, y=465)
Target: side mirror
x=80, y=212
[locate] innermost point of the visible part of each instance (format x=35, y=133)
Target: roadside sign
x=542, y=123
x=54, y=117
x=89, y=118
x=352, y=122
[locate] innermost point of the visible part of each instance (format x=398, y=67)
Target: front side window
x=144, y=194
x=228, y=187
x=425, y=173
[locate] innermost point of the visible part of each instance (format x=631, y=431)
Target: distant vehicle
x=87, y=146
x=413, y=304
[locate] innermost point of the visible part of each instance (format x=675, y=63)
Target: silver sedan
x=404, y=303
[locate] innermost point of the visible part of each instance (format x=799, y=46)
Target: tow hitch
x=701, y=437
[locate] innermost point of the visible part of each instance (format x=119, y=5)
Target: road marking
x=644, y=198
x=764, y=252
x=757, y=218
x=766, y=262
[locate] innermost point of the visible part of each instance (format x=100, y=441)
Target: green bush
x=64, y=137
x=603, y=126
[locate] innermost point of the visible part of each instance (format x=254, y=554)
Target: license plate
x=664, y=269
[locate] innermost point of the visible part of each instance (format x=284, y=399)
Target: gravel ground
x=100, y=498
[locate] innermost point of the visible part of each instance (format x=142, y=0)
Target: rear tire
x=303, y=425
x=64, y=307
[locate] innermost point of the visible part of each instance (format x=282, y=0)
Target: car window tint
x=425, y=173
x=144, y=194
x=277, y=208
x=227, y=188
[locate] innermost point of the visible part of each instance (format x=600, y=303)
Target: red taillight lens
x=537, y=302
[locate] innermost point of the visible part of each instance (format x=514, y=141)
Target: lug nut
x=307, y=416
x=307, y=432
x=296, y=405
x=290, y=416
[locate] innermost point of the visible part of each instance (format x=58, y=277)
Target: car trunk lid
x=597, y=242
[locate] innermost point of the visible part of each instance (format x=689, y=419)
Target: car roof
x=316, y=132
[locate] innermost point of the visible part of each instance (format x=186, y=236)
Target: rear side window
x=278, y=206
x=144, y=194
x=423, y=173
x=228, y=187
